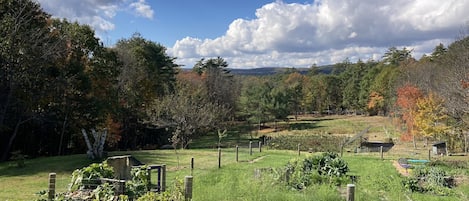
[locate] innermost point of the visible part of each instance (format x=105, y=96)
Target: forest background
x=58, y=78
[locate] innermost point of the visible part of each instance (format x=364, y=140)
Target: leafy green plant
x=104, y=192
x=88, y=177
x=319, y=169
x=430, y=180
x=139, y=184
x=176, y=193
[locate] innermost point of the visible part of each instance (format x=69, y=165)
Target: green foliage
x=314, y=143
x=89, y=176
x=432, y=180
x=104, y=192
x=327, y=168
x=19, y=158
x=139, y=184
x=176, y=193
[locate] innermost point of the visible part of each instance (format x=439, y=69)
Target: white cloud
x=142, y=9
x=98, y=14
x=329, y=31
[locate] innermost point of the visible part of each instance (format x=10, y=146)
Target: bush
x=429, y=180
x=325, y=168
x=88, y=177
x=313, y=142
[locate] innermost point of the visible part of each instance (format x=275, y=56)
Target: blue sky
x=261, y=33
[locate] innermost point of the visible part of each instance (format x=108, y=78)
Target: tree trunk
x=12, y=138
x=4, y=110
x=62, y=135
x=465, y=144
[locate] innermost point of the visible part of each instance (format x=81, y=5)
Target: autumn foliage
x=407, y=97
x=430, y=117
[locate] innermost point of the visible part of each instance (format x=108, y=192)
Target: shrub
x=429, y=180
x=88, y=177
x=139, y=184
x=312, y=142
x=325, y=168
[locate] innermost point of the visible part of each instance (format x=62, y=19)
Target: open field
x=377, y=179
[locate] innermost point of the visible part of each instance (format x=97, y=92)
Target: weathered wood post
x=429, y=154
x=219, y=157
x=299, y=151
x=381, y=152
x=350, y=192
x=237, y=153
x=51, y=193
x=260, y=146
x=188, y=187
x=192, y=165
x=120, y=188
x=149, y=178
x=250, y=147
x=163, y=177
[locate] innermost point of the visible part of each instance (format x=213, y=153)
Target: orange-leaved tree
x=375, y=103
x=430, y=118
x=407, y=97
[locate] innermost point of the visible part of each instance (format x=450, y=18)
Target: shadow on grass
x=57, y=164
x=303, y=126
x=67, y=164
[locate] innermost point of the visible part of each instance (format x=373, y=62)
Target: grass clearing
x=377, y=179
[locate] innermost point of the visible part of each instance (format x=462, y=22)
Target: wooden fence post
x=260, y=146
x=299, y=151
x=149, y=177
x=429, y=154
x=192, y=165
x=237, y=151
x=350, y=192
x=381, y=152
x=219, y=157
x=51, y=193
x=163, y=178
x=188, y=187
x=250, y=147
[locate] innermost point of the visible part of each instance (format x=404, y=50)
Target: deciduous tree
x=430, y=117
x=407, y=97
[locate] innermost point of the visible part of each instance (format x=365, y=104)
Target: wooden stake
x=163, y=178
x=188, y=180
x=299, y=151
x=219, y=157
x=192, y=165
x=381, y=152
x=237, y=151
x=260, y=146
x=350, y=192
x=51, y=193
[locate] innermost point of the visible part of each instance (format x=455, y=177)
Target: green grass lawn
x=377, y=179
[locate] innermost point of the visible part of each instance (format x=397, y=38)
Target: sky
x=262, y=33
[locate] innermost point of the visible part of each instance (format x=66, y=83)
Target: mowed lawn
x=377, y=179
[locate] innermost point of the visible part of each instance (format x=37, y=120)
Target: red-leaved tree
x=407, y=97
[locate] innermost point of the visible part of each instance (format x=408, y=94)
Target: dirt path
x=257, y=159
x=400, y=169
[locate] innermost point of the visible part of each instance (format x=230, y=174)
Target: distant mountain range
x=273, y=70
x=276, y=70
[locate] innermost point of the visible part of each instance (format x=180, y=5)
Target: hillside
x=275, y=70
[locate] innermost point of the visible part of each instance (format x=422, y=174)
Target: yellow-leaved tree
x=430, y=117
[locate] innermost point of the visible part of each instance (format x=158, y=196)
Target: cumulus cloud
x=98, y=14
x=142, y=9
x=329, y=31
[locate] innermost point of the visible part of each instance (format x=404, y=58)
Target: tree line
x=57, y=78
